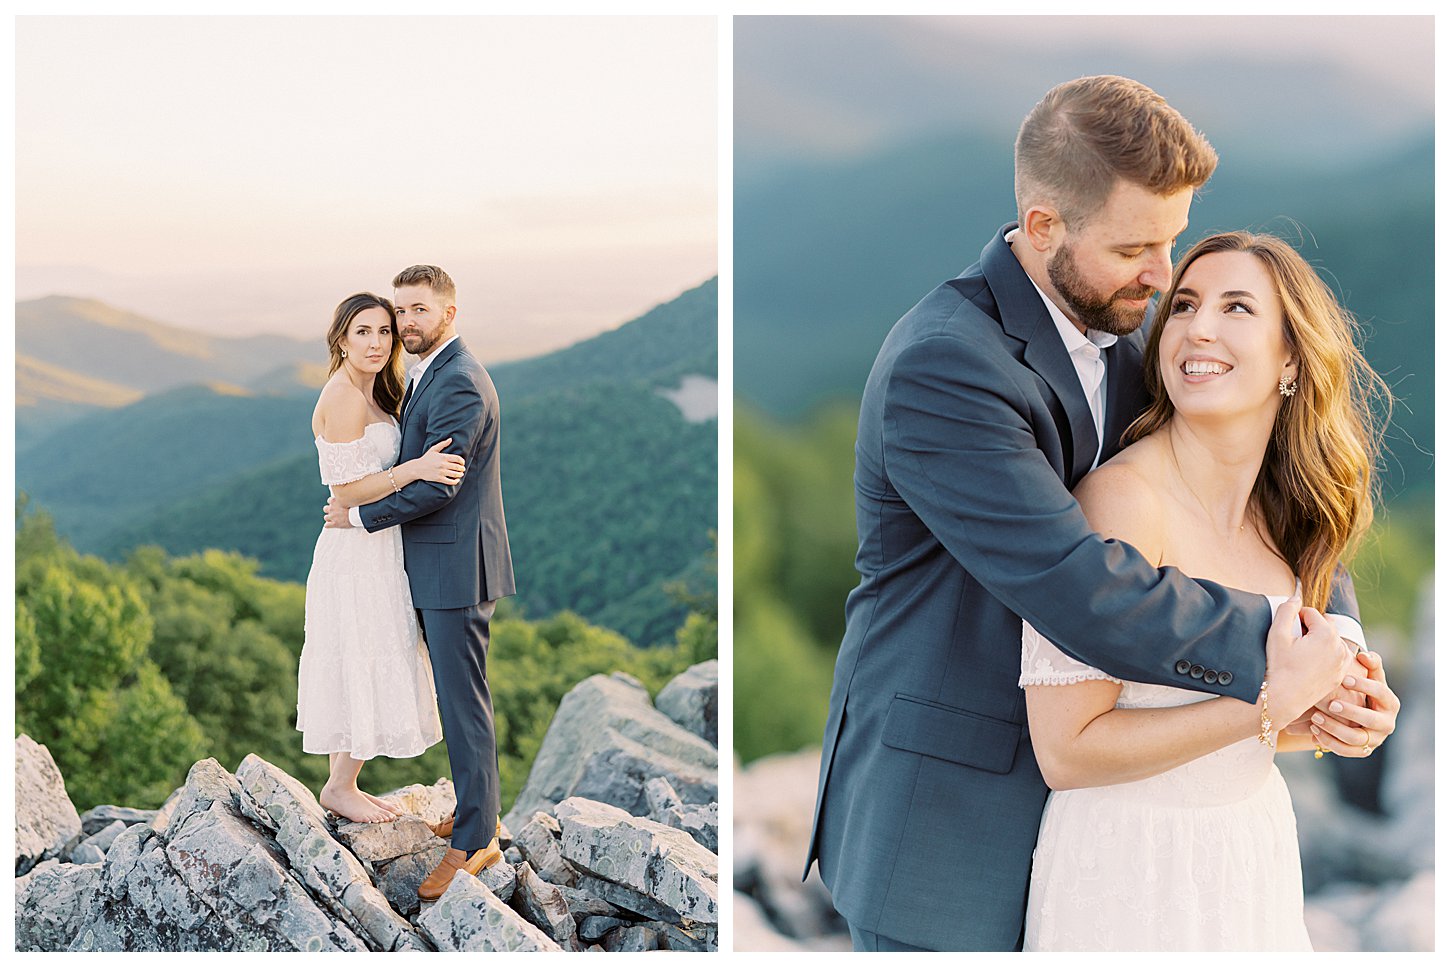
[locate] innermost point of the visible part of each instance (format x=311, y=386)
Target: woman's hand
x=1301, y=669
x=1356, y=731
x=437, y=466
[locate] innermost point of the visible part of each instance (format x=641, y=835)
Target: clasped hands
x=1356, y=714
x=334, y=513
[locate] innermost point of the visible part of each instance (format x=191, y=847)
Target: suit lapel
x=434, y=368
x=1024, y=317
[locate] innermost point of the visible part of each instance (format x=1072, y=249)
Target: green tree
x=85, y=686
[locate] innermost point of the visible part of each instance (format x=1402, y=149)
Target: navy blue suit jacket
x=973, y=430
x=455, y=540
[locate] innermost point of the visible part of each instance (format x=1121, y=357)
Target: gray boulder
x=662, y=863
x=45, y=818
x=399, y=878
x=692, y=700
x=631, y=939
x=87, y=853
x=701, y=822
x=470, y=918
x=103, y=838
x=538, y=842
x=545, y=907
x=777, y=796
x=51, y=902
x=754, y=931
x=213, y=882
x=605, y=743
x=98, y=818
x=502, y=879
x=331, y=873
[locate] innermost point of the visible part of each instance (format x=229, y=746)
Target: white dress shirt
x=415, y=373
x=1086, y=351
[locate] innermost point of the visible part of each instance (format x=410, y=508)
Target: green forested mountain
x=657, y=349
x=610, y=493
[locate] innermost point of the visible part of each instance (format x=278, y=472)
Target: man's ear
x=449, y=313
x=1043, y=228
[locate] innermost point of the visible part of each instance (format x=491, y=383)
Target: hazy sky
x=847, y=86
x=239, y=174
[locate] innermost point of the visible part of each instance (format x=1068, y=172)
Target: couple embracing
x=1100, y=573
x=410, y=563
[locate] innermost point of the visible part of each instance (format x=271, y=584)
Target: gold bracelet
x=392, y=481
x=1265, y=726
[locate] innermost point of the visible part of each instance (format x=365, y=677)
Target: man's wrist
x=354, y=517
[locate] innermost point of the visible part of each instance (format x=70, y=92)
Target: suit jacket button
x=1210, y=677
x=1196, y=671
x=1183, y=665
x=1225, y=678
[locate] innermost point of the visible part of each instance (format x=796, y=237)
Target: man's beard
x=1094, y=312
x=425, y=344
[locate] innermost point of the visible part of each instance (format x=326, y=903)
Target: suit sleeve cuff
x=1350, y=630
x=355, y=519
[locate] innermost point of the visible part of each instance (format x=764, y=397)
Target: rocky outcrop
x=45, y=819
x=691, y=700
x=605, y=743
x=250, y=861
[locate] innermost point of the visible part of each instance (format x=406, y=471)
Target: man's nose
x=1158, y=273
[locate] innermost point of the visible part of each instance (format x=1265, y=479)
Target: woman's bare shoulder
x=341, y=412
x=1123, y=499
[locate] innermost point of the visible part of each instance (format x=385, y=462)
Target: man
x=988, y=402
x=456, y=552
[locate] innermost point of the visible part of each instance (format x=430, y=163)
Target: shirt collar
x=416, y=371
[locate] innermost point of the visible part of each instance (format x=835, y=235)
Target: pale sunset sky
x=243, y=174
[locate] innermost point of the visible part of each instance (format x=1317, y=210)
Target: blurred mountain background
x=131, y=432
x=873, y=161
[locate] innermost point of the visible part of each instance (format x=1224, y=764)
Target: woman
x=1169, y=826
x=365, y=685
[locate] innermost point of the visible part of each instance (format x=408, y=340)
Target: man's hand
x=1349, y=728
x=335, y=514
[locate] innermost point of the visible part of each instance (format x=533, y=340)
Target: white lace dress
x=365, y=684
x=1202, y=857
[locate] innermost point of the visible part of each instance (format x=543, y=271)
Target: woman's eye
x=1239, y=307
x=1181, y=306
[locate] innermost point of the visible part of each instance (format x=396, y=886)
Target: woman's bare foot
x=354, y=805
x=391, y=807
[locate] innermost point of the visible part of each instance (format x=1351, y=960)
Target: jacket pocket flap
x=953, y=734
x=431, y=533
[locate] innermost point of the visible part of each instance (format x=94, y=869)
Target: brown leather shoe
x=444, y=829
x=435, y=884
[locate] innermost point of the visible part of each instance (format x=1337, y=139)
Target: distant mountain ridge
x=100, y=342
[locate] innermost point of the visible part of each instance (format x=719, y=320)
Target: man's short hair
x=1085, y=135
x=431, y=276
